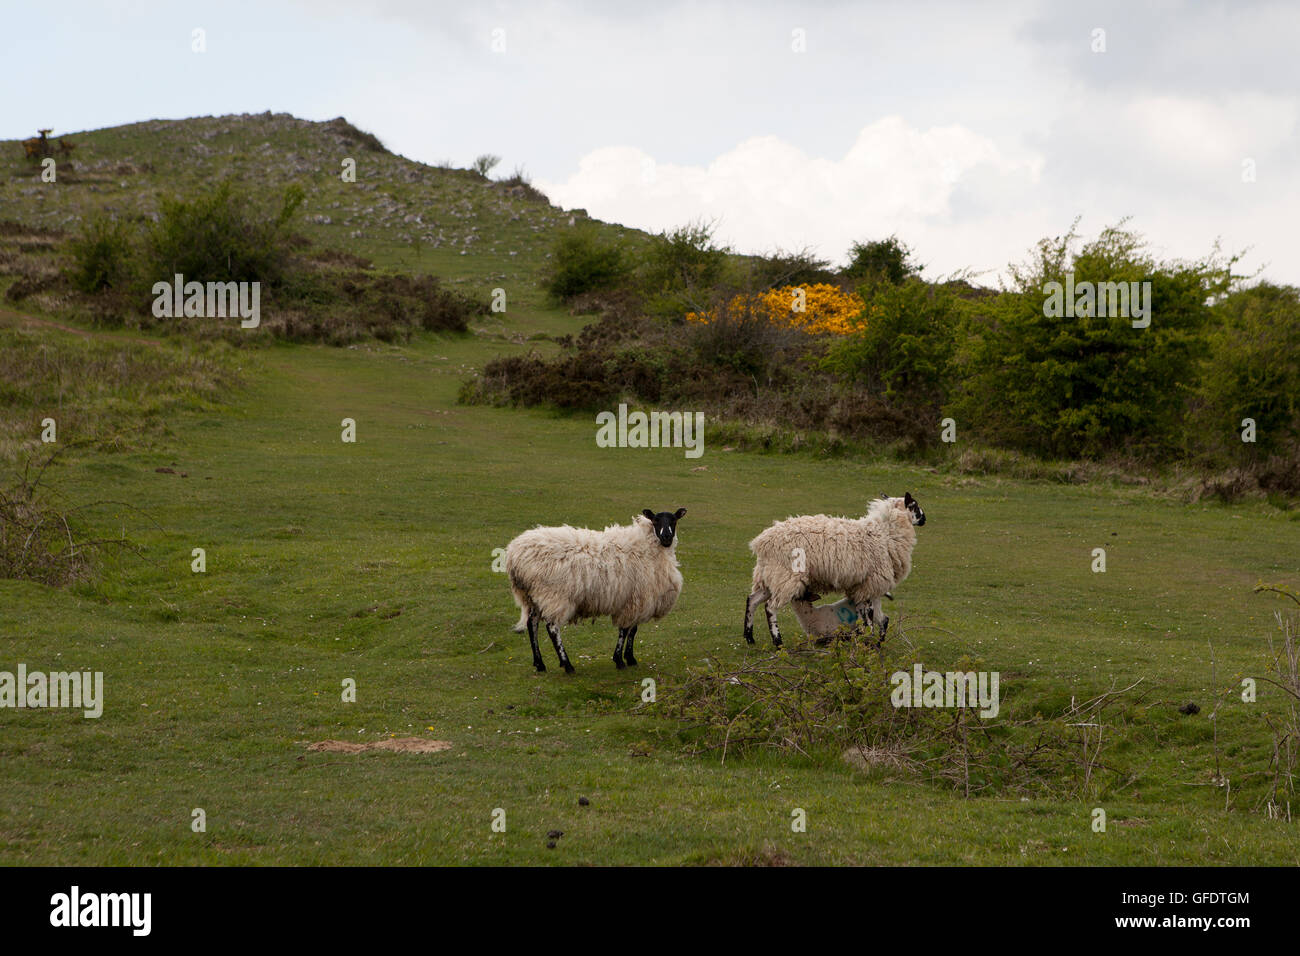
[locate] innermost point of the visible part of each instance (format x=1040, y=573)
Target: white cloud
x=767, y=193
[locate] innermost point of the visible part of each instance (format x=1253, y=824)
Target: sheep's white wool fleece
x=575, y=573
x=824, y=620
x=863, y=558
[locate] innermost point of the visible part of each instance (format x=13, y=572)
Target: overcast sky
x=969, y=130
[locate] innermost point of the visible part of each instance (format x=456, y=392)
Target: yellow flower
x=819, y=308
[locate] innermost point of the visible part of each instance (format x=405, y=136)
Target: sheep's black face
x=665, y=523
x=914, y=507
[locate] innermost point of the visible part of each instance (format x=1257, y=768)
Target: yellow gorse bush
x=817, y=308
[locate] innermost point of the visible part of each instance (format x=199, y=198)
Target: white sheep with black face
x=864, y=558
x=562, y=574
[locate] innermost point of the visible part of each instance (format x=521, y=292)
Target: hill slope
x=398, y=211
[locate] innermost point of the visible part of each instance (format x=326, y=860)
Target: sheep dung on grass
x=865, y=558
x=564, y=574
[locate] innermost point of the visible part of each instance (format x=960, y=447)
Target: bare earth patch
x=406, y=745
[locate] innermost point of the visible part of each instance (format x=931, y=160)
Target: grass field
x=373, y=561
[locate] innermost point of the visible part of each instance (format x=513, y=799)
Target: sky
x=969, y=130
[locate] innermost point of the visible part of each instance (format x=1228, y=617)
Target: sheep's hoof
x=629, y=660
x=776, y=642
x=749, y=635
x=568, y=668
x=541, y=668
x=618, y=662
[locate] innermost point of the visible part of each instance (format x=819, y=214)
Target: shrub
x=1088, y=385
x=682, y=267
x=739, y=335
x=816, y=309
x=38, y=539
x=1252, y=370
x=887, y=260
x=520, y=184
x=903, y=345
x=781, y=268
x=843, y=702
x=101, y=255
x=219, y=237
x=582, y=262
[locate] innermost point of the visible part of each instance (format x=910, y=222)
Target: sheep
x=865, y=558
x=562, y=574
x=824, y=620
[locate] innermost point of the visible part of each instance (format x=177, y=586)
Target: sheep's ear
x=907, y=498
x=886, y=497
x=649, y=514
x=680, y=512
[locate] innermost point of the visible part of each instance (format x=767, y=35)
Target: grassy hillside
x=399, y=213
x=372, y=561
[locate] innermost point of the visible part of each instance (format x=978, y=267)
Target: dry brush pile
x=839, y=702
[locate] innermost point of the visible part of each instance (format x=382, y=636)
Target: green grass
x=216, y=682
x=372, y=561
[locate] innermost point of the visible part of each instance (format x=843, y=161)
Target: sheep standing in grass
x=865, y=558
x=563, y=574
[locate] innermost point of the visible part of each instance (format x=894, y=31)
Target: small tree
x=485, y=164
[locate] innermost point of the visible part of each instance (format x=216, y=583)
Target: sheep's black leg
x=618, y=648
x=866, y=619
x=772, y=625
x=554, y=631
x=532, y=639
x=628, y=659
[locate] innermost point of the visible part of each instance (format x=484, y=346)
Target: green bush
x=220, y=237
x=582, y=262
x=887, y=260
x=682, y=267
x=101, y=255
x=1084, y=386
x=1252, y=371
x=781, y=268
x=905, y=345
